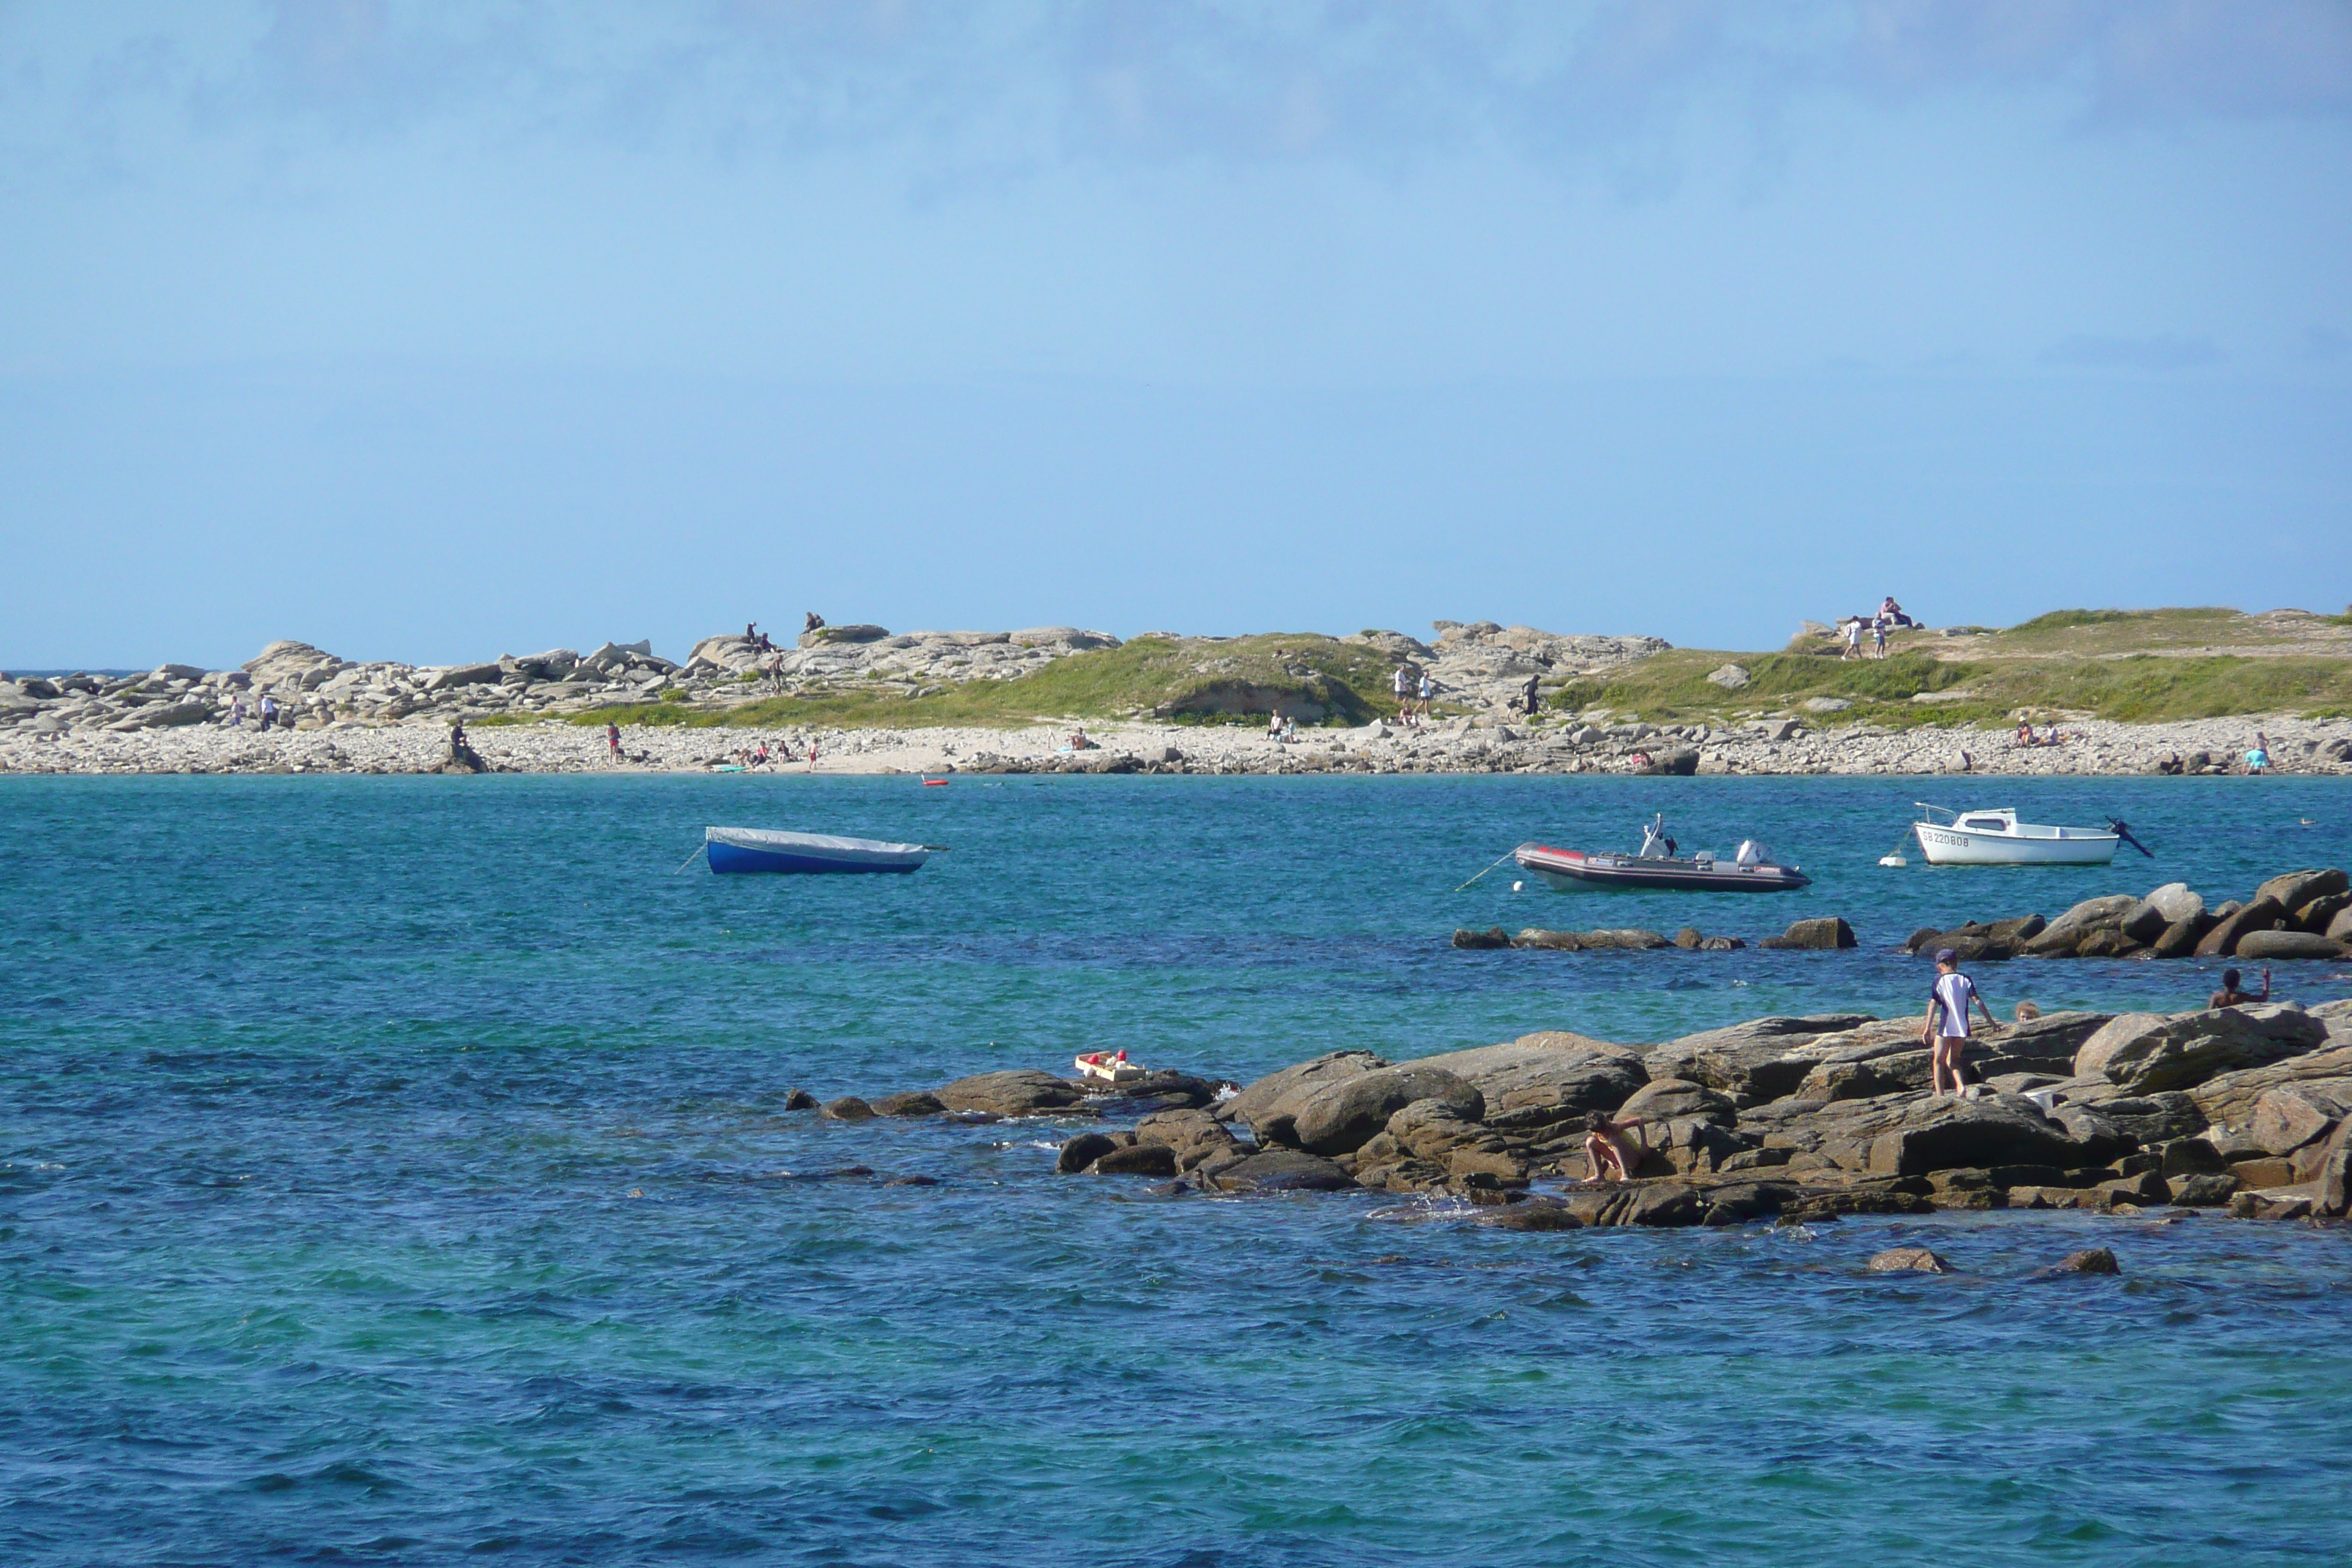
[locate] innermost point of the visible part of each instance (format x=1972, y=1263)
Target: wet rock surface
x=2242, y=1111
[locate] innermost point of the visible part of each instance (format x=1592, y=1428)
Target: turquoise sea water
x=392, y=1170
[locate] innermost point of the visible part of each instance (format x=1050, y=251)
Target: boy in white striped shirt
x=1947, y=1030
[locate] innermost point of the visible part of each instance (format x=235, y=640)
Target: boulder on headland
x=1339, y=1116
x=1270, y=1105
x=2267, y=946
x=2221, y=939
x=2229, y=1099
x=1018, y=1091
x=2296, y=889
x=1543, y=1081
x=1281, y=1170
x=1999, y=1130
x=1138, y=1159
x=1082, y=1151
x=1825, y=933
x=2139, y=1052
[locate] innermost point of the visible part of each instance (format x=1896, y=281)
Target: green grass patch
x=1177, y=680
x=1672, y=687
x=2094, y=632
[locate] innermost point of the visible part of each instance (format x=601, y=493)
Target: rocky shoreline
x=339, y=716
x=2297, y=915
x=2242, y=1111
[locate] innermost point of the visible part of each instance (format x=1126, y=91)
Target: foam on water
x=394, y=1170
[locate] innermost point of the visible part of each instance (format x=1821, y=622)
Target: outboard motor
x=2122, y=830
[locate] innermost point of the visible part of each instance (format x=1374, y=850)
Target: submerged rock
x=2090, y=1260
x=1908, y=1261
x=1281, y=1170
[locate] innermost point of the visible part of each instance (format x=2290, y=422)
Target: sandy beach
x=1459, y=745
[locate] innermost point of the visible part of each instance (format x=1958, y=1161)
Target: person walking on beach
x=1401, y=684
x=1428, y=695
x=1853, y=638
x=1946, y=1029
x=268, y=711
x=612, y=741
x=236, y=711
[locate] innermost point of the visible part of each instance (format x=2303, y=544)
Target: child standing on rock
x=1947, y=1031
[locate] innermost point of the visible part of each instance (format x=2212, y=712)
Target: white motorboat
x=1996, y=837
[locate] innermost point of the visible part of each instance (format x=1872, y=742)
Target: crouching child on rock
x=1609, y=1155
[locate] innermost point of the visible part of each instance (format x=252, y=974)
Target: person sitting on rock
x=2230, y=995
x=814, y=621
x=2025, y=732
x=1609, y=1156
x=1946, y=1032
x=1078, y=741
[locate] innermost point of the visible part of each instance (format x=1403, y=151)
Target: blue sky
x=434, y=331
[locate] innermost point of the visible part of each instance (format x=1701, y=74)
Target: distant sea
x=392, y=1170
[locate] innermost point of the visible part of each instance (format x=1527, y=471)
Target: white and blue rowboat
x=807, y=854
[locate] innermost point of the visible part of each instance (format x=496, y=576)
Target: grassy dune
x=1180, y=681
x=2138, y=688
x=2140, y=666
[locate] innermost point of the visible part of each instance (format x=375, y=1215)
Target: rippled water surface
x=393, y=1171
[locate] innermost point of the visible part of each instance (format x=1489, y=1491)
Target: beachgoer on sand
x=1946, y=1032
x=2231, y=994
x=612, y=742
x=1428, y=695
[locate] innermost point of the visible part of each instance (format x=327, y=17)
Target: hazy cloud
x=2163, y=352
x=1023, y=81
